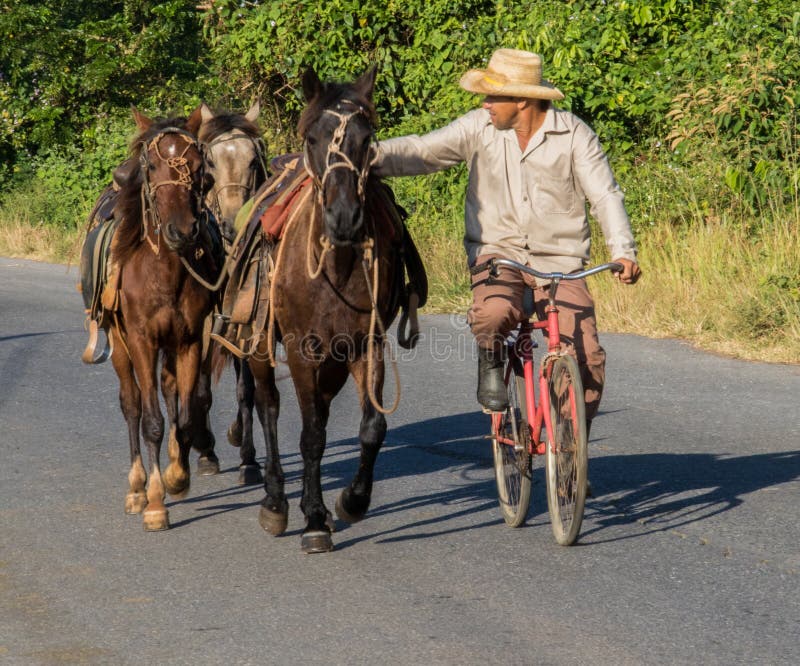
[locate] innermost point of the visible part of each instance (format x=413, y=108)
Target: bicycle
x=558, y=428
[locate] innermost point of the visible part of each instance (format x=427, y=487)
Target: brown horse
x=164, y=238
x=335, y=275
x=236, y=158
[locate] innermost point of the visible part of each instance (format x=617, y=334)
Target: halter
x=336, y=158
x=260, y=151
x=179, y=164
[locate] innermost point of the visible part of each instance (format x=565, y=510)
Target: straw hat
x=512, y=73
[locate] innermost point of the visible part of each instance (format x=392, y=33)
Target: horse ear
x=311, y=84
x=253, y=111
x=194, y=120
x=206, y=113
x=366, y=82
x=142, y=121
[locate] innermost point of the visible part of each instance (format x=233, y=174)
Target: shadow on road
x=664, y=491
x=660, y=491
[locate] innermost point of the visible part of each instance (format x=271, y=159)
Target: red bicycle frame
x=523, y=348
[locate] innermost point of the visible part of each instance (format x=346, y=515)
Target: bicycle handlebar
x=494, y=269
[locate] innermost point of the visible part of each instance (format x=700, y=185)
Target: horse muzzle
x=344, y=225
x=178, y=241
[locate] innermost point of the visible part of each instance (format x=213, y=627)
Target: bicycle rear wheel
x=512, y=458
x=567, y=458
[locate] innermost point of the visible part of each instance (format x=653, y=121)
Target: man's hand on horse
x=630, y=273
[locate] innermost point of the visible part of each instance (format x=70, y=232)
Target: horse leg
x=315, y=399
x=130, y=402
x=187, y=371
x=353, y=502
x=245, y=392
x=176, y=476
x=202, y=437
x=145, y=359
x=249, y=471
x=274, y=513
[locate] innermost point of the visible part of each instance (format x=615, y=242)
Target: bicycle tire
x=567, y=458
x=512, y=464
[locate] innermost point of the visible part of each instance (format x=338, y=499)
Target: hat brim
x=476, y=81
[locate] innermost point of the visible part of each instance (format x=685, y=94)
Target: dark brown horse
x=335, y=262
x=236, y=158
x=164, y=239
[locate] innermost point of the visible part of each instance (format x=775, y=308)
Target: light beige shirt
x=528, y=205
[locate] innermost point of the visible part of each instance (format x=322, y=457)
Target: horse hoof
x=135, y=502
x=344, y=514
x=250, y=475
x=274, y=521
x=316, y=541
x=208, y=465
x=157, y=520
x=176, y=482
x=235, y=435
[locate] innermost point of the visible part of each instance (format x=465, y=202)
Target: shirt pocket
x=554, y=196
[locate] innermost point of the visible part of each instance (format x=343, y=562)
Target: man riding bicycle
x=532, y=167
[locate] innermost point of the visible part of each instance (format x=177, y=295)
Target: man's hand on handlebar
x=631, y=272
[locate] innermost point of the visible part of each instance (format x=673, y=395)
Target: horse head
x=337, y=128
x=173, y=179
x=236, y=158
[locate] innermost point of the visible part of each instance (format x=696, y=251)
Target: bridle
x=183, y=178
x=335, y=158
x=255, y=168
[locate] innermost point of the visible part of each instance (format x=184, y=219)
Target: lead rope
x=326, y=244
x=375, y=319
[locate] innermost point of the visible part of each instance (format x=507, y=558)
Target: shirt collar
x=552, y=125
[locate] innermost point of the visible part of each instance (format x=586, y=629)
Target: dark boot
x=492, y=393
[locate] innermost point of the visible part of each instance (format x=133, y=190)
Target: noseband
x=179, y=164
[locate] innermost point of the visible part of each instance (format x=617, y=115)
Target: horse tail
x=220, y=359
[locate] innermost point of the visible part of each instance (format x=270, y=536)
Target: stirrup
x=88, y=355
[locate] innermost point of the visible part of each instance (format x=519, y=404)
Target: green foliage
x=63, y=63
x=660, y=80
x=59, y=185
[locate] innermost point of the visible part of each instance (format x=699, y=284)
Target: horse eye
x=311, y=140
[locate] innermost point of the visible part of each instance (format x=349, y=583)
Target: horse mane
x=129, y=202
x=227, y=122
x=330, y=94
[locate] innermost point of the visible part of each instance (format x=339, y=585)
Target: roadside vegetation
x=694, y=102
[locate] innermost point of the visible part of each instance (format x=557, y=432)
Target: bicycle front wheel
x=512, y=459
x=567, y=457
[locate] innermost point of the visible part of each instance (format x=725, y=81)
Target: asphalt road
x=690, y=549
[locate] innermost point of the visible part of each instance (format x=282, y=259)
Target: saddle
x=99, y=278
x=260, y=224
